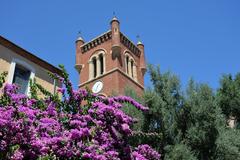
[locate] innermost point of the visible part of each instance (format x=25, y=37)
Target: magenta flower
x=126, y=129
x=66, y=129
x=61, y=90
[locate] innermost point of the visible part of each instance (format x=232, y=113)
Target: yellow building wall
x=41, y=76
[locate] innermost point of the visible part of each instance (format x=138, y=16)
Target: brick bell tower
x=110, y=63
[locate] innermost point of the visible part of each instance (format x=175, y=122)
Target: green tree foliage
x=228, y=145
x=229, y=96
x=139, y=136
x=191, y=123
x=203, y=120
x=2, y=78
x=164, y=102
x=180, y=152
x=132, y=111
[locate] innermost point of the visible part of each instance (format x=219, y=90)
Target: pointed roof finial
x=138, y=39
x=114, y=17
x=79, y=36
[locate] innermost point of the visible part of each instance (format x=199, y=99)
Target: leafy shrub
x=80, y=125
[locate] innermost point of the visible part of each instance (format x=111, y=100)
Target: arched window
x=94, y=61
x=97, y=65
x=131, y=68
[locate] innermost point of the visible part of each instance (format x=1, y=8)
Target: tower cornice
x=130, y=45
x=96, y=41
x=107, y=36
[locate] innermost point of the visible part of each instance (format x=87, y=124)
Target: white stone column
x=98, y=66
x=132, y=64
x=129, y=68
x=126, y=65
x=104, y=63
x=91, y=70
x=11, y=72
x=134, y=71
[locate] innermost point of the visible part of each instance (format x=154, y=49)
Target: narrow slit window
x=132, y=68
x=94, y=67
x=127, y=60
x=101, y=64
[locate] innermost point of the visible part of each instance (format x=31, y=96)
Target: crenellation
x=97, y=41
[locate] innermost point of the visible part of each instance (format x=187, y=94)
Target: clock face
x=97, y=87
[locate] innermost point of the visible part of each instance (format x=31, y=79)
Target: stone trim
x=131, y=69
x=107, y=36
x=96, y=55
x=96, y=41
x=109, y=72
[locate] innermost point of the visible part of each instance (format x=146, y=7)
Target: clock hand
x=97, y=88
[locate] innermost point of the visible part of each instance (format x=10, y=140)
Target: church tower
x=110, y=63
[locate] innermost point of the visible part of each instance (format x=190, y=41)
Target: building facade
x=22, y=66
x=110, y=63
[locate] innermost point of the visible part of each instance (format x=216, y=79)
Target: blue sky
x=192, y=38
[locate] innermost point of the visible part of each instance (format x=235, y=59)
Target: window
x=127, y=60
x=101, y=64
x=20, y=73
x=21, y=78
x=97, y=65
x=94, y=67
x=130, y=66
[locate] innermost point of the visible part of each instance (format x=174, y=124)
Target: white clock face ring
x=97, y=87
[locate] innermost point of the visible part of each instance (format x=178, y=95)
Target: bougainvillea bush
x=79, y=125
